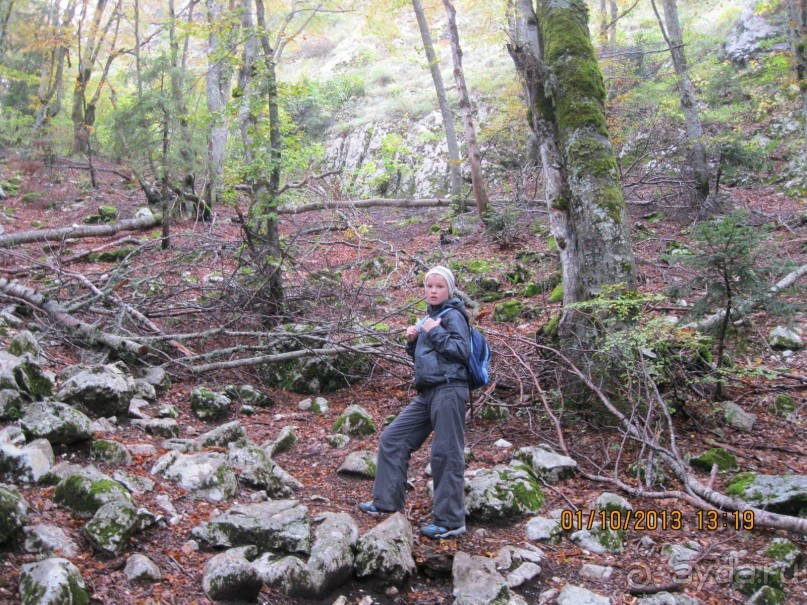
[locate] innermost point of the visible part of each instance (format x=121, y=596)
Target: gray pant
x=441, y=409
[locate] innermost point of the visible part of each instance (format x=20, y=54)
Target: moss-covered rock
x=725, y=460
x=783, y=406
x=355, y=421
x=111, y=527
x=84, y=493
x=556, y=296
x=111, y=452
x=494, y=413
x=767, y=595
x=785, y=494
x=209, y=405
x=54, y=581
x=502, y=492
x=508, y=311
x=786, y=554
x=749, y=579
x=55, y=421
x=13, y=511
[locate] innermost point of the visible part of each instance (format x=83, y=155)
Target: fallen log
x=57, y=313
x=48, y=235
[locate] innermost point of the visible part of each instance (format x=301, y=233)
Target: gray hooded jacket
x=441, y=355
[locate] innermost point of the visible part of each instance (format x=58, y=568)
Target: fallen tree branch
x=57, y=312
x=788, y=280
x=368, y=203
x=46, y=235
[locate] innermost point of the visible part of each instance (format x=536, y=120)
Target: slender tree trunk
x=686, y=91
x=185, y=138
x=587, y=209
x=455, y=179
x=52, y=77
x=614, y=19
x=797, y=20
x=474, y=159
x=603, y=23
x=218, y=90
x=257, y=77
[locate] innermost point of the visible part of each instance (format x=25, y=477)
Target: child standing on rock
x=440, y=347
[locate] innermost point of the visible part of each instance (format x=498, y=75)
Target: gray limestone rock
x=361, y=463
x=526, y=572
x=355, y=421
x=205, y=474
x=87, y=490
x=784, y=494
x=111, y=452
x=279, y=525
x=11, y=404
x=209, y=405
x=283, y=442
x=141, y=568
x=13, y=511
x=157, y=377
x=159, y=427
x=476, y=581
x=99, y=391
x=576, y=595
x=542, y=529
x=502, y=492
x=598, y=539
x=229, y=576
x=48, y=541
x=609, y=502
x=57, y=422
x=385, y=552
x=54, y=581
x=666, y=598
x=222, y=435
x=738, y=417
x=256, y=468
x=596, y=572
x=27, y=463
x=782, y=338
x=111, y=527
x=546, y=464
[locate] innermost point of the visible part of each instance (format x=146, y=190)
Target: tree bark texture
x=686, y=92
x=797, y=20
x=455, y=180
x=50, y=235
x=474, y=158
x=587, y=208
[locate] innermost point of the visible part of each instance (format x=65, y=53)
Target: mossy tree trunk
x=566, y=96
x=797, y=20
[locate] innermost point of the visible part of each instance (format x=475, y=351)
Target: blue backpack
x=478, y=360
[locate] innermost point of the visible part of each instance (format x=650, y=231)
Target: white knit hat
x=446, y=274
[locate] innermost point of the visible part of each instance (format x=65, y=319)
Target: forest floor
x=54, y=197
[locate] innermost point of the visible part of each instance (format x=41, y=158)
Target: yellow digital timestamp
x=656, y=520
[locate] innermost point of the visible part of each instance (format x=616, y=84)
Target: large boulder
x=13, y=511
x=329, y=565
x=53, y=581
x=385, y=552
x=99, y=391
x=86, y=491
x=751, y=37
x=49, y=541
x=278, y=525
x=502, y=492
x=229, y=576
x=256, y=468
x=205, y=474
x=21, y=462
x=222, y=435
x=57, y=422
x=111, y=452
x=23, y=374
x=477, y=582
x=785, y=494
x=11, y=404
x=112, y=525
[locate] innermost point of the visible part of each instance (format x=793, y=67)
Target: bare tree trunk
x=603, y=23
x=686, y=91
x=185, y=139
x=52, y=77
x=797, y=20
x=218, y=90
x=474, y=159
x=6, y=8
x=257, y=77
x=587, y=208
x=442, y=99
x=614, y=19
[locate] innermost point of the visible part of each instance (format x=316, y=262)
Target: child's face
x=436, y=289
